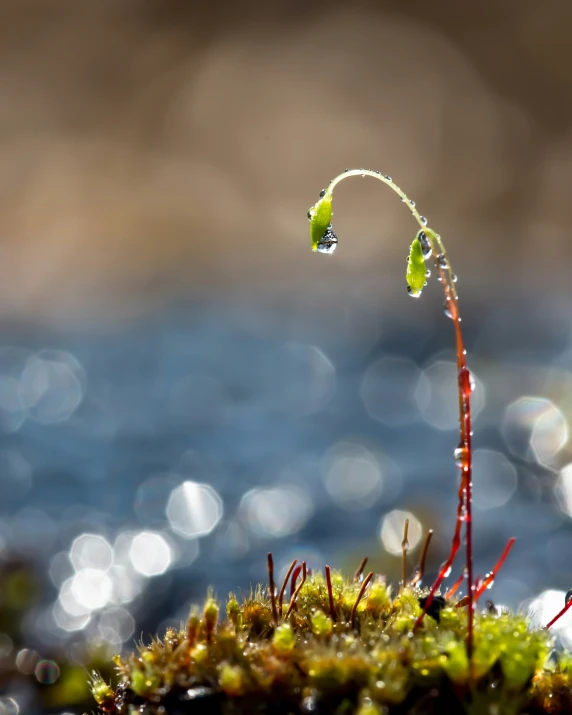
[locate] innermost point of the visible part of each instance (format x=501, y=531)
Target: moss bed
x=259, y=656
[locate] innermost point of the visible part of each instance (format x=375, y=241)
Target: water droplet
x=346, y=170
x=423, y=220
x=461, y=456
x=428, y=273
x=309, y=214
x=454, y=277
x=447, y=310
x=425, y=244
x=329, y=242
x=568, y=597
x=447, y=572
x=467, y=381
x=442, y=261
x=412, y=293
x=388, y=177
x=402, y=198
x=412, y=203
x=322, y=193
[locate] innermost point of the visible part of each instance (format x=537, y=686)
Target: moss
x=316, y=662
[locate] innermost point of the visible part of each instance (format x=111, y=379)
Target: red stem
x=454, y=588
x=493, y=574
x=464, y=508
x=559, y=615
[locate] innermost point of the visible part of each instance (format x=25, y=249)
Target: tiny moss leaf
x=320, y=219
x=416, y=270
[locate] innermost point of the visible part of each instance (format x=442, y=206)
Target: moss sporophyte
x=357, y=645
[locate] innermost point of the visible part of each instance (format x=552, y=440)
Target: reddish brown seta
x=464, y=508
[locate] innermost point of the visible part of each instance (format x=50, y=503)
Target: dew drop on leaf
x=328, y=243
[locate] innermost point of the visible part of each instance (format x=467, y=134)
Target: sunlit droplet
x=328, y=243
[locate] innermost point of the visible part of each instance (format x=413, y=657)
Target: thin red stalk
x=360, y=569
x=559, y=615
x=295, y=575
x=404, y=547
x=364, y=585
x=420, y=570
x=488, y=580
x=272, y=588
x=285, y=585
x=464, y=509
x=330, y=593
x=455, y=587
x=296, y=592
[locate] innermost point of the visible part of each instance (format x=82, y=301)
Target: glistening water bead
x=329, y=242
x=461, y=456
x=425, y=244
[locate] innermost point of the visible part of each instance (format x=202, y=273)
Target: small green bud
x=369, y=708
x=210, y=616
x=232, y=609
x=143, y=683
x=193, y=624
x=321, y=624
x=284, y=639
x=320, y=215
x=199, y=653
x=377, y=597
x=457, y=664
x=101, y=691
x=231, y=680
x=416, y=271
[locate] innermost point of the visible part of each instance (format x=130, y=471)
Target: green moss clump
x=315, y=662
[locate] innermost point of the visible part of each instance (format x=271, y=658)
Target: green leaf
x=416, y=270
x=320, y=216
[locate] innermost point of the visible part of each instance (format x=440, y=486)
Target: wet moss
x=258, y=661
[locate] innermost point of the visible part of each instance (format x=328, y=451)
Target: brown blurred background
x=152, y=148
x=185, y=386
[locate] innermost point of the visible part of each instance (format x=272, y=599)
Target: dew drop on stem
x=322, y=193
x=412, y=293
x=568, y=597
x=423, y=220
x=412, y=203
x=467, y=381
x=442, y=261
x=461, y=456
x=388, y=178
x=447, y=310
x=428, y=273
x=425, y=244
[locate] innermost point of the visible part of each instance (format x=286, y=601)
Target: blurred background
x=184, y=386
